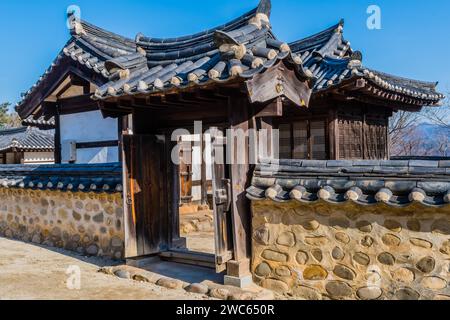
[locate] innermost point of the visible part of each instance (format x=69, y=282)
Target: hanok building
x=128, y=96
x=26, y=145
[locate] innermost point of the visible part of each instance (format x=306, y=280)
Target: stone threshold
x=207, y=288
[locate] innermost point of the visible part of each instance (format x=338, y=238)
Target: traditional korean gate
x=146, y=231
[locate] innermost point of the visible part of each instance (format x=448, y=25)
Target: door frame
x=173, y=247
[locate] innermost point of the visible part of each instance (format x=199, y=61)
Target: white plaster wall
x=98, y=155
x=39, y=158
x=91, y=127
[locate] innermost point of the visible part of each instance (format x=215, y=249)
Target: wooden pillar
x=333, y=135
x=58, y=156
x=239, y=268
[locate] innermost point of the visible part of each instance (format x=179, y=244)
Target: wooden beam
x=47, y=87
x=272, y=109
x=77, y=104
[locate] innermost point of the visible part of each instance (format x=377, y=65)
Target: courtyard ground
x=34, y=272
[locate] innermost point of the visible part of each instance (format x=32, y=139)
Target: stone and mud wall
x=348, y=251
x=88, y=223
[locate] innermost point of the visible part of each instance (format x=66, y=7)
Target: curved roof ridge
x=12, y=130
x=317, y=37
x=79, y=27
x=263, y=8
x=234, y=24
x=93, y=29
x=430, y=84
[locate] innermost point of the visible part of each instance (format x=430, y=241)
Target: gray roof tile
x=26, y=139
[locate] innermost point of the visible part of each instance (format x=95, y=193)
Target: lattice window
x=303, y=140
x=351, y=138
x=362, y=137
x=318, y=140
x=300, y=140
x=375, y=134
x=285, y=141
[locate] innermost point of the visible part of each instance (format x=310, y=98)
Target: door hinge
x=223, y=195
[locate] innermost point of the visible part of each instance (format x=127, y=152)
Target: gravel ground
x=35, y=272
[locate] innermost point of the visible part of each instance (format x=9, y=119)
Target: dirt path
x=34, y=272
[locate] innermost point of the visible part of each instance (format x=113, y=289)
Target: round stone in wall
x=367, y=241
x=315, y=272
x=99, y=218
x=361, y=258
x=116, y=242
x=263, y=270
x=421, y=243
x=286, y=239
x=338, y=289
x=36, y=239
x=407, y=294
x=275, y=285
x=317, y=254
x=302, y=257
x=275, y=256
x=413, y=225
x=441, y=226
x=364, y=226
x=426, y=265
x=76, y=216
x=317, y=241
x=403, y=275
x=306, y=293
x=344, y=272
x=369, y=293
x=393, y=225
x=342, y=237
x=310, y=224
x=338, y=254
x=434, y=283
x=445, y=248
x=339, y=223
x=79, y=205
x=92, y=250
x=283, y=271
x=386, y=258
x=262, y=235
x=391, y=240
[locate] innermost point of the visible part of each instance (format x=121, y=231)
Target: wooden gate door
x=221, y=187
x=146, y=231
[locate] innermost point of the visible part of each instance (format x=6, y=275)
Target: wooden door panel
x=146, y=190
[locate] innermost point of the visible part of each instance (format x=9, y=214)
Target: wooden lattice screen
x=351, y=137
x=375, y=134
x=300, y=140
x=285, y=141
x=318, y=140
x=362, y=136
x=303, y=140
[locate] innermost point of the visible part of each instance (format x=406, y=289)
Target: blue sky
x=413, y=42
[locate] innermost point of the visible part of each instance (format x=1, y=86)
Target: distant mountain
x=430, y=140
x=433, y=130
